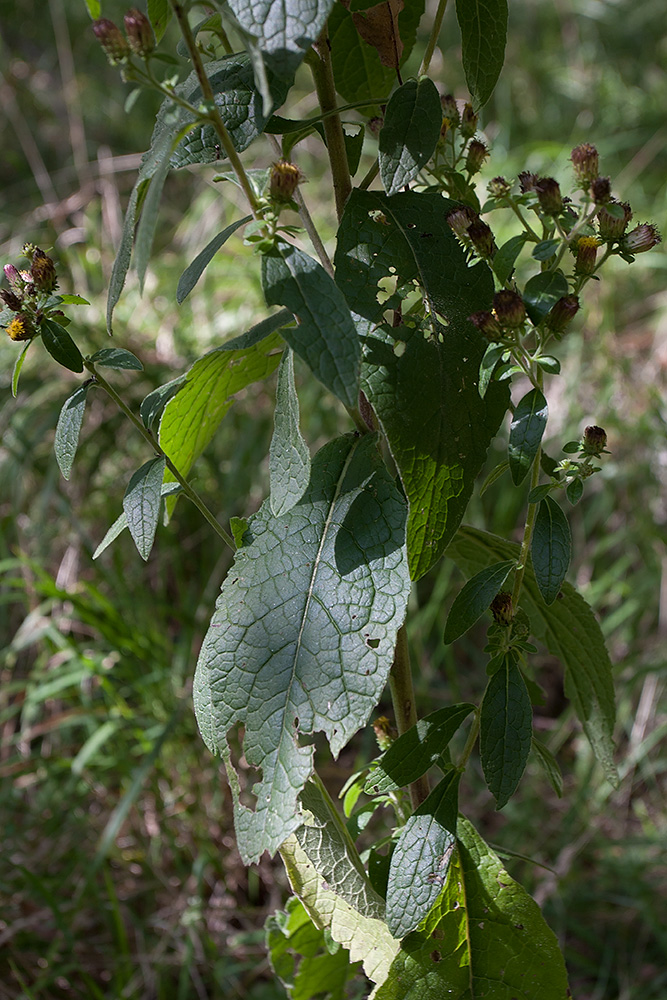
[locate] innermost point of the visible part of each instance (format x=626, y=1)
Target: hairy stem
x=322, y=71
x=148, y=436
x=403, y=700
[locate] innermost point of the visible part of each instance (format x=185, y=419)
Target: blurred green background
x=118, y=871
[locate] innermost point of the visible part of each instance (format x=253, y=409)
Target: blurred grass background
x=118, y=871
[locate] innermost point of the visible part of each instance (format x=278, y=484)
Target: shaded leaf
x=18, y=365
x=474, y=599
x=289, y=458
x=505, y=730
x=378, y=26
x=154, y=403
x=60, y=345
x=549, y=765
x=159, y=14
x=194, y=271
x=303, y=635
x=575, y=491
x=542, y=291
x=260, y=331
x=117, y=357
x=68, y=429
x=284, y=32
x=550, y=548
x=483, y=26
x=505, y=258
x=120, y=524
x=545, y=249
x=526, y=430
x=141, y=504
x=410, y=132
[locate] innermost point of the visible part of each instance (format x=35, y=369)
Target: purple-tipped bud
x=468, y=122
x=641, y=238
x=501, y=608
x=11, y=300
x=43, y=271
x=594, y=440
x=549, y=196
x=587, y=250
x=385, y=734
x=450, y=110
x=499, y=187
x=527, y=181
x=601, y=190
x=14, y=278
x=285, y=178
x=139, y=33
x=586, y=162
x=375, y=124
x=562, y=313
x=613, y=219
x=481, y=237
x=112, y=40
x=509, y=309
x=460, y=220
x=20, y=328
x=488, y=325
x=477, y=153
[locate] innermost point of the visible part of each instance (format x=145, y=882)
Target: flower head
x=509, y=309
x=488, y=325
x=477, y=153
x=587, y=249
x=585, y=161
x=450, y=110
x=284, y=180
x=112, y=40
x=527, y=181
x=601, y=190
x=501, y=608
x=43, y=271
x=20, y=328
x=139, y=32
x=549, y=196
x=499, y=187
x=613, y=219
x=641, y=238
x=562, y=313
x=594, y=440
x=481, y=237
x=468, y=122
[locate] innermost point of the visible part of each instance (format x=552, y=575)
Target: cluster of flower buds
x=508, y=316
x=138, y=38
x=27, y=292
x=472, y=231
x=466, y=123
x=501, y=608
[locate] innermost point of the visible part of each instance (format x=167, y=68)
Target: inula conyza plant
x=419, y=326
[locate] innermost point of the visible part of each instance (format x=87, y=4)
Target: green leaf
x=68, y=429
x=93, y=8
x=73, y=300
x=490, y=359
x=549, y=765
x=542, y=291
x=484, y=938
x=159, y=14
x=326, y=337
x=569, y=630
x=304, y=630
x=117, y=357
x=302, y=958
x=194, y=271
x=327, y=875
x=426, y=399
x=191, y=417
x=494, y=476
x=505, y=730
x=154, y=403
x=550, y=548
x=545, y=249
x=549, y=364
x=483, y=25
x=60, y=345
x=526, y=431
x=141, y=504
x=354, y=144
x=410, y=133
x=505, y=258
x=539, y=493
x=289, y=458
x=18, y=365
x=421, y=858
x=238, y=526
x=120, y=524
x=575, y=491
x=284, y=32
x=358, y=72
x=260, y=331
x=416, y=751
x=474, y=599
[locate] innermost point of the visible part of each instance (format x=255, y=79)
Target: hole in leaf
x=435, y=955
x=373, y=643
x=399, y=348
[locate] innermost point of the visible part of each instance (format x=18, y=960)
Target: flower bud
x=285, y=178
x=20, y=328
x=527, y=181
x=482, y=239
x=14, y=278
x=477, y=153
x=585, y=161
x=509, y=309
x=43, y=271
x=549, y=196
x=468, y=122
x=375, y=124
x=501, y=608
x=499, y=187
x=594, y=440
x=488, y=325
x=385, y=734
x=112, y=40
x=601, y=190
x=139, y=33
x=450, y=110
x=610, y=226
x=587, y=249
x=562, y=313
x=641, y=238
x=11, y=300
x=460, y=220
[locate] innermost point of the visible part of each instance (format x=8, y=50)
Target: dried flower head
x=499, y=187
x=481, y=237
x=468, y=122
x=594, y=440
x=460, y=220
x=43, y=271
x=450, y=109
x=527, y=181
x=509, y=308
x=601, y=190
x=477, y=153
x=284, y=180
x=501, y=608
x=549, y=196
x=586, y=162
x=488, y=325
x=641, y=238
x=562, y=313
x=11, y=300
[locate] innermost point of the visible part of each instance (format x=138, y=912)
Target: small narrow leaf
x=143, y=240
x=483, y=26
x=326, y=337
x=475, y=598
x=539, y=493
x=542, y=291
x=420, y=862
x=60, y=345
x=410, y=133
x=194, y=271
x=120, y=524
x=416, y=751
x=116, y=357
x=73, y=300
x=550, y=548
x=505, y=730
x=505, y=259
x=526, y=431
x=154, y=403
x=494, y=476
x=545, y=249
x=141, y=504
x=289, y=458
x=549, y=765
x=575, y=491
x=18, y=365
x=68, y=429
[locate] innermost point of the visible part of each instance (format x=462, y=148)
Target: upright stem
x=322, y=71
x=433, y=40
x=530, y=519
x=148, y=436
x=403, y=700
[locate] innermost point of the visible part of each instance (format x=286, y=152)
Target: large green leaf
x=326, y=337
x=283, y=31
x=505, y=730
x=423, y=388
x=569, y=630
x=484, y=938
x=304, y=630
x=410, y=132
x=289, y=458
x=483, y=26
